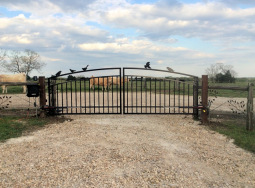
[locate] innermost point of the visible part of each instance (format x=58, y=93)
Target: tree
x=225, y=78
x=216, y=69
x=70, y=78
x=26, y=62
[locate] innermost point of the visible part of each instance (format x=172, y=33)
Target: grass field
x=235, y=129
x=157, y=86
x=11, y=127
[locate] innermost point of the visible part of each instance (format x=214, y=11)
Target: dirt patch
x=125, y=151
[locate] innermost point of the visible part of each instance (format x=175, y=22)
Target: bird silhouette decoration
x=58, y=73
x=72, y=71
x=147, y=65
x=169, y=69
x=85, y=68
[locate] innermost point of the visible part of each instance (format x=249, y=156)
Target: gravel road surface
x=125, y=151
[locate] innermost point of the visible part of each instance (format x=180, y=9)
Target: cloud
x=47, y=32
x=208, y=21
x=116, y=32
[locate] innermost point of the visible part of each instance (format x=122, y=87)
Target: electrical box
x=33, y=90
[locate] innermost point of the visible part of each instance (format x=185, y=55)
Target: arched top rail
x=159, y=70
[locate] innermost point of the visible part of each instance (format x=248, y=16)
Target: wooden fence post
x=250, y=114
x=42, y=94
x=204, y=113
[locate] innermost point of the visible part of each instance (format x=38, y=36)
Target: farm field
x=125, y=151
x=20, y=101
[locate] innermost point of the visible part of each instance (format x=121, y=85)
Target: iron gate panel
x=148, y=94
x=100, y=94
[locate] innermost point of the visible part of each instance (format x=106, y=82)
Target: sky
x=186, y=35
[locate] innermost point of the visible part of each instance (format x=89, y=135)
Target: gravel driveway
x=125, y=151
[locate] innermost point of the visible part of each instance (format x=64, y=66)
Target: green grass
x=236, y=130
x=240, y=82
x=13, y=89
x=11, y=127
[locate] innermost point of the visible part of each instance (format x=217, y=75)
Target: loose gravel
x=125, y=151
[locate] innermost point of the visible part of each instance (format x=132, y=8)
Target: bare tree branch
x=26, y=62
x=217, y=68
x=2, y=55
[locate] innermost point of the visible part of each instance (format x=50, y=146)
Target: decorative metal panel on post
x=250, y=113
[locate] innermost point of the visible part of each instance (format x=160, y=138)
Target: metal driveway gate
x=93, y=91
x=133, y=91
x=153, y=91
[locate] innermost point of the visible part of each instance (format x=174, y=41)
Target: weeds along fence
x=17, y=102
x=227, y=102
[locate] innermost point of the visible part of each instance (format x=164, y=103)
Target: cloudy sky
x=187, y=35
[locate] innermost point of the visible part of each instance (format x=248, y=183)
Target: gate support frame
x=204, y=113
x=195, y=98
x=42, y=95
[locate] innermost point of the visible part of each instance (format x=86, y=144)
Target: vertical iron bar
x=160, y=95
x=92, y=80
x=150, y=95
x=127, y=96
x=121, y=81
x=141, y=94
x=169, y=103
x=155, y=95
x=117, y=98
x=75, y=86
x=164, y=96
x=103, y=93
x=136, y=94
x=62, y=98
x=188, y=98
x=112, y=95
x=184, y=96
x=57, y=109
x=49, y=91
x=66, y=98
x=95, y=97
x=132, y=94
x=174, y=94
x=80, y=97
x=98, y=95
x=179, y=97
x=146, y=94
x=108, y=89
x=124, y=102
x=85, y=96
x=71, y=86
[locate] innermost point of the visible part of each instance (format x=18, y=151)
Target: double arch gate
x=123, y=91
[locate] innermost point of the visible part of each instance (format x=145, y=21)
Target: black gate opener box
x=33, y=90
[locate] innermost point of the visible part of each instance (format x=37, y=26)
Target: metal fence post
x=204, y=113
x=195, y=98
x=250, y=114
x=42, y=94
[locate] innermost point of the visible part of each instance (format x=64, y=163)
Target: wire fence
x=18, y=104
